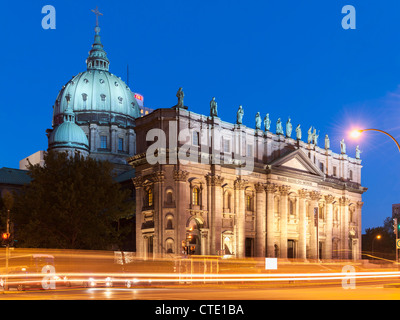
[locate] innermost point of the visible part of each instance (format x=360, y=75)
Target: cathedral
x=205, y=186
x=208, y=187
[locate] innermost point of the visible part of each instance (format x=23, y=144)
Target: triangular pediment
x=297, y=161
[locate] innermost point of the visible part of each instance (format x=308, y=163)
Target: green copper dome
x=96, y=95
x=68, y=134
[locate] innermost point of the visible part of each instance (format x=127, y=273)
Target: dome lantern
x=97, y=59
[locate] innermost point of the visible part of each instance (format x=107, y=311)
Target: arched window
x=169, y=223
x=169, y=196
x=249, y=202
x=150, y=197
x=169, y=245
x=195, y=196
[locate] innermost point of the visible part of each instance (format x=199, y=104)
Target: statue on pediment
x=342, y=147
x=288, y=129
x=239, y=115
x=358, y=152
x=327, y=142
x=298, y=132
x=279, y=128
x=213, y=108
x=258, y=121
x=267, y=122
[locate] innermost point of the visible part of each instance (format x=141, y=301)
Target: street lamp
x=357, y=133
x=377, y=237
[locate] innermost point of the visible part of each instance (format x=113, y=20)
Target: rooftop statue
x=258, y=121
x=213, y=108
x=327, y=142
x=267, y=122
x=358, y=152
x=279, y=128
x=288, y=129
x=298, y=132
x=310, y=135
x=342, y=147
x=239, y=115
x=180, y=95
x=315, y=136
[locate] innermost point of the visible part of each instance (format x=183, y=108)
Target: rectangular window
x=120, y=144
x=226, y=145
x=195, y=138
x=103, y=142
x=334, y=171
x=249, y=150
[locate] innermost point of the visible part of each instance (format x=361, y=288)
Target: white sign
x=271, y=263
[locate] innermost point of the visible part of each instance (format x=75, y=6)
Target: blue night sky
x=286, y=58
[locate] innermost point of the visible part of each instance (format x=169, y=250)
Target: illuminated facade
x=296, y=201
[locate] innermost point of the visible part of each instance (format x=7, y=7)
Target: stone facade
x=296, y=201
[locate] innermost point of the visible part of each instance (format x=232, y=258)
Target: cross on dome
x=97, y=13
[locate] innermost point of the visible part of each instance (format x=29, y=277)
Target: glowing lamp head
x=378, y=236
x=356, y=133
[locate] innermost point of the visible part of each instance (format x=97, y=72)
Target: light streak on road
x=118, y=279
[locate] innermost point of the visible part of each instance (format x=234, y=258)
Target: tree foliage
x=71, y=202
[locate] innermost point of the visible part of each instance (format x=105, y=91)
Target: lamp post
x=356, y=133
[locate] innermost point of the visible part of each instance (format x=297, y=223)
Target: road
x=362, y=291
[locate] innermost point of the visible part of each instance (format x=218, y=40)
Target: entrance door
x=291, y=249
x=249, y=247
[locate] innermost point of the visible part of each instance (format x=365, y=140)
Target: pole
x=7, y=250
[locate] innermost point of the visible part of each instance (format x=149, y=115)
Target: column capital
x=158, y=176
x=214, y=180
x=137, y=182
x=239, y=184
x=315, y=195
x=303, y=193
x=260, y=187
x=180, y=175
x=284, y=190
x=360, y=204
x=344, y=201
x=329, y=198
x=270, y=187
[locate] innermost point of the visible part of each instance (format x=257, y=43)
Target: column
x=260, y=220
x=215, y=226
x=182, y=203
x=284, y=220
x=131, y=142
x=158, y=240
x=270, y=188
x=302, y=224
x=137, y=182
x=92, y=138
x=314, y=250
x=239, y=186
x=113, y=139
x=359, y=230
x=329, y=225
x=344, y=203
